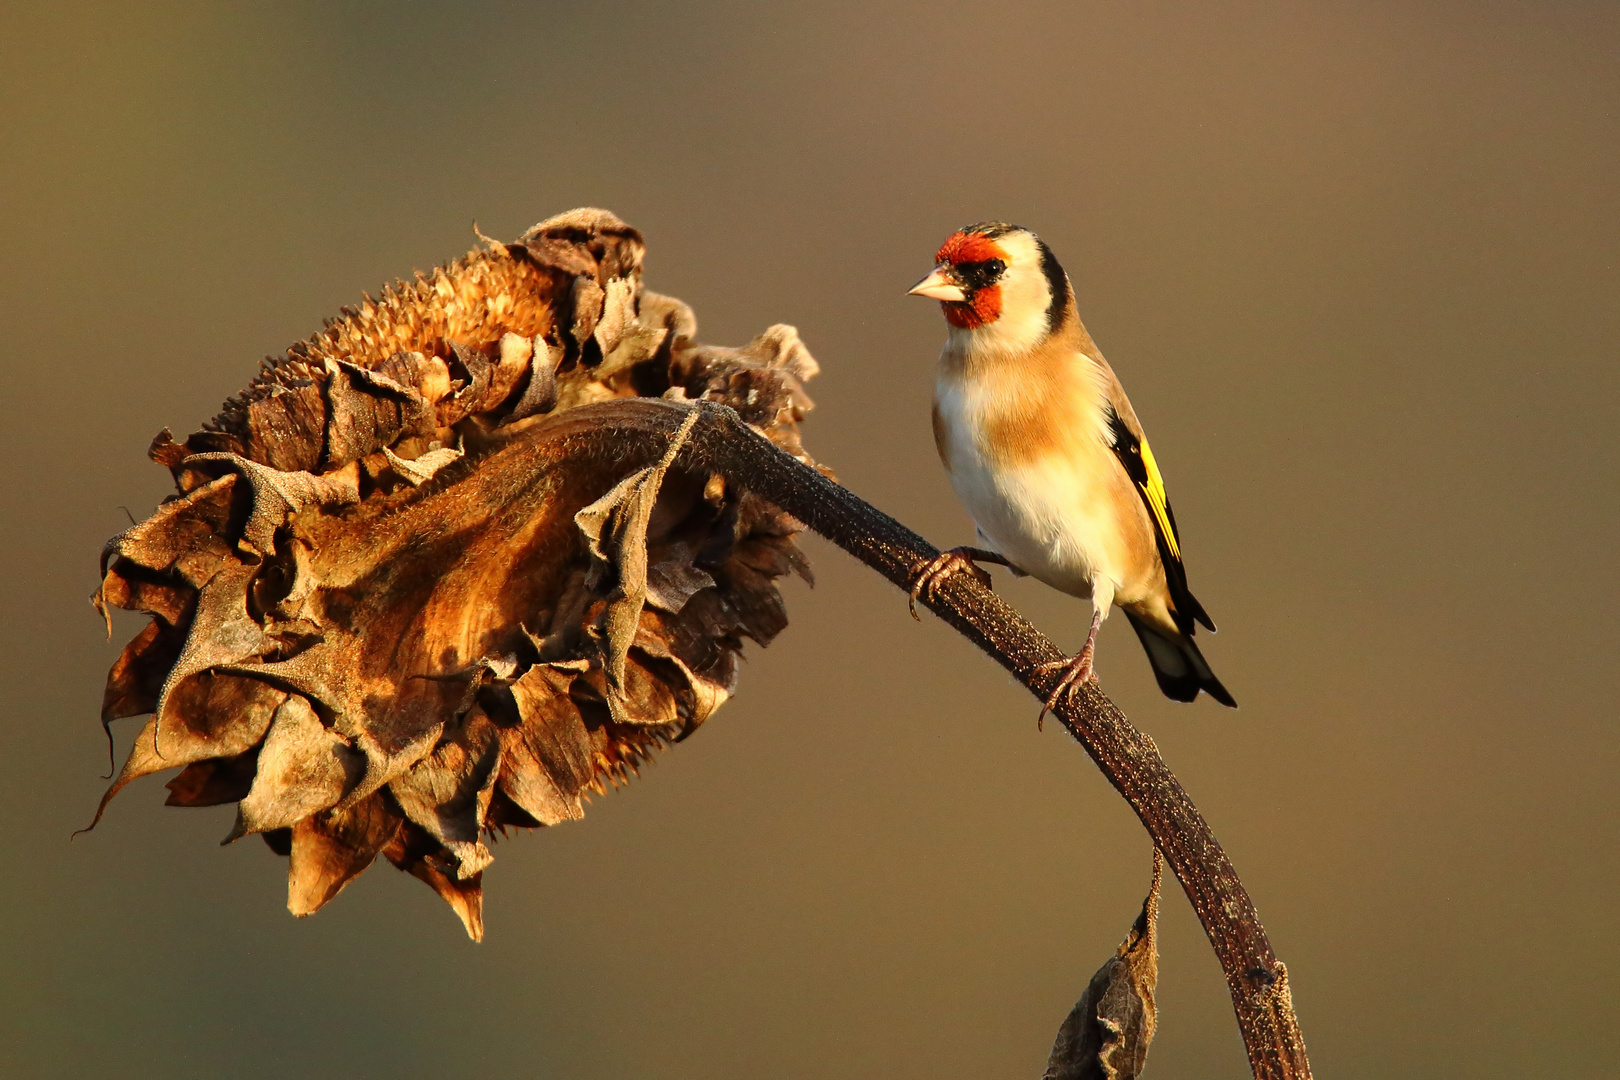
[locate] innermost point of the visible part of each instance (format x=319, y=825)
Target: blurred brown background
x=1356, y=264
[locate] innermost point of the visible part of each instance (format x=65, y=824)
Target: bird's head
x=1000, y=283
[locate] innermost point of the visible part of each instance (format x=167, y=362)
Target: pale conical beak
x=937, y=286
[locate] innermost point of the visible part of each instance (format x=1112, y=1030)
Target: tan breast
x=1033, y=430
x=1046, y=402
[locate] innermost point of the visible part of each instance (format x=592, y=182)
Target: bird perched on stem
x=1045, y=451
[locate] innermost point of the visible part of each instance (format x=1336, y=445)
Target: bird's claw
x=942, y=566
x=1077, y=670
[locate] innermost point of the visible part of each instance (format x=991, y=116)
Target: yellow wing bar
x=1158, y=501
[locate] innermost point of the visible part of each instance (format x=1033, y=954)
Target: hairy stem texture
x=636, y=431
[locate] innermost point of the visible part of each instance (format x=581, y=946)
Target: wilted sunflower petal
x=210, y=716
x=303, y=767
x=214, y=781
x=137, y=676
x=330, y=849
x=277, y=493
x=413, y=851
x=447, y=793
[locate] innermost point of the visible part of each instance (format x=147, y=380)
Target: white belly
x=1052, y=516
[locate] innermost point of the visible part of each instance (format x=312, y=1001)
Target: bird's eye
x=994, y=267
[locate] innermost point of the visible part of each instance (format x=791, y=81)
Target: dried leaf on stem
x=1107, y=1034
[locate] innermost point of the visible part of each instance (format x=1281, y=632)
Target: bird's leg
x=1076, y=670
x=946, y=563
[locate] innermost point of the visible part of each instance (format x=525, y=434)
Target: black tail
x=1180, y=668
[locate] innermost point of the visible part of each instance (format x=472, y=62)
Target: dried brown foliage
x=388, y=619
x=1107, y=1033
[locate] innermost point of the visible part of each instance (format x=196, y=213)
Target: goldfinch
x=1045, y=451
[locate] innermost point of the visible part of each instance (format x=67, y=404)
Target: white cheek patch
x=1025, y=297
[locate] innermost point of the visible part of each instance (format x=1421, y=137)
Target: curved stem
x=637, y=430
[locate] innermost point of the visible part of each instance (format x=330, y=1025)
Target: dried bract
x=396, y=610
x=1107, y=1034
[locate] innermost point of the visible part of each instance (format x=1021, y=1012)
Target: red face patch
x=963, y=247
x=982, y=306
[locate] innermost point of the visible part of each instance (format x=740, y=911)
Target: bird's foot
x=945, y=565
x=1077, y=670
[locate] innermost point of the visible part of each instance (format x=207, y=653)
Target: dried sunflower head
x=396, y=606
